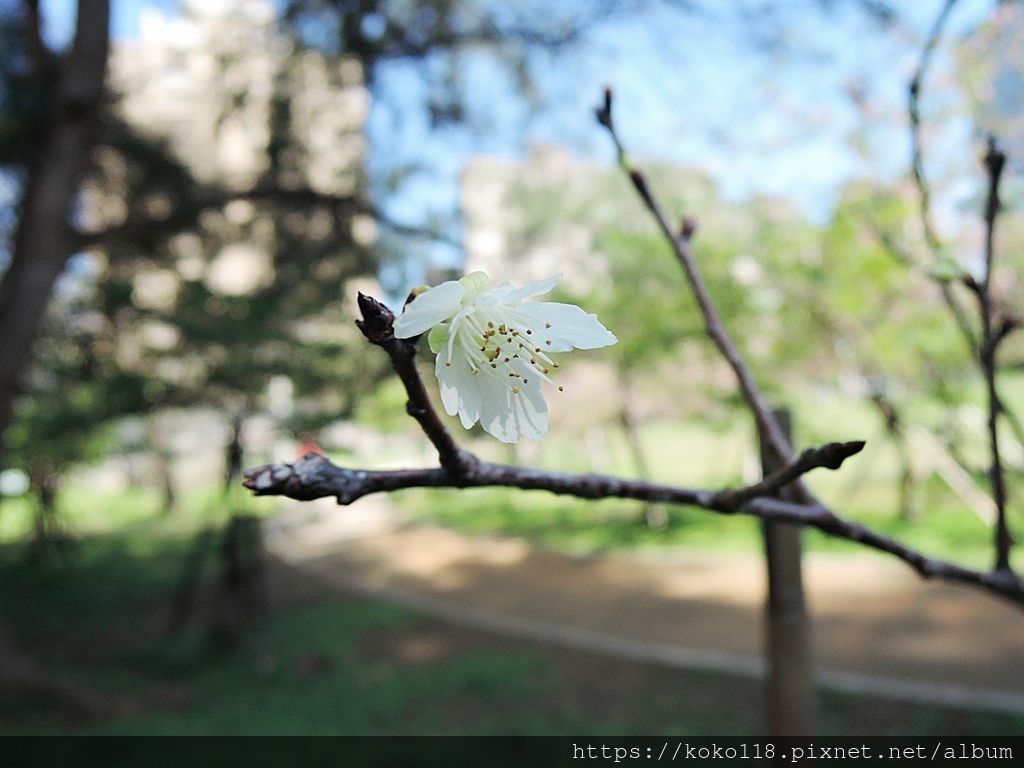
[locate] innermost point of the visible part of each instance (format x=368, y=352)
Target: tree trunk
x=243, y=606
x=791, y=701
x=164, y=465
x=72, y=88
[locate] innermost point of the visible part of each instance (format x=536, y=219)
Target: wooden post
x=791, y=700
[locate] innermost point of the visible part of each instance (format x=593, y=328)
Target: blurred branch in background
x=996, y=323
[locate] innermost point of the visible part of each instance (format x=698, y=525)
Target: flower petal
x=439, y=337
x=475, y=283
x=455, y=380
x=460, y=389
x=566, y=326
x=507, y=414
x=506, y=294
x=431, y=307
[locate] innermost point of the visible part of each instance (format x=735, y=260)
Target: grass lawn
x=345, y=665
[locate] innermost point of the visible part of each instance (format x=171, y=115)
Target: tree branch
x=714, y=326
x=917, y=171
x=376, y=326
x=1002, y=576
x=994, y=161
x=314, y=476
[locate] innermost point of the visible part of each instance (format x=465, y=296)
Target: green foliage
x=195, y=342
x=71, y=396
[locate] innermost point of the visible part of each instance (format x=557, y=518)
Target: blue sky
x=689, y=89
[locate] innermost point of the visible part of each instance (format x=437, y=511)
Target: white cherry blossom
x=494, y=351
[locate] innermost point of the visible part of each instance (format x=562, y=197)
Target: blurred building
x=531, y=219
x=219, y=80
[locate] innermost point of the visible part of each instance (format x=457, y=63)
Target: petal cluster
x=494, y=351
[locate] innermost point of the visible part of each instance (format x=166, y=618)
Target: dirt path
x=877, y=628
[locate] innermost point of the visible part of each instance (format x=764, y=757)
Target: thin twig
x=715, y=328
x=914, y=110
x=994, y=161
x=830, y=456
x=917, y=169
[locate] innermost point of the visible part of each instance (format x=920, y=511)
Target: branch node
x=604, y=112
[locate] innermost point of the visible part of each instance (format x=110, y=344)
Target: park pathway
x=877, y=627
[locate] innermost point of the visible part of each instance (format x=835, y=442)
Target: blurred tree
x=52, y=105
x=884, y=331
x=191, y=308
x=812, y=305
x=68, y=395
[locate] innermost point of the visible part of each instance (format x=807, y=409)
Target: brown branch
x=376, y=326
x=994, y=161
x=715, y=328
x=314, y=476
x=829, y=522
x=917, y=171
x=829, y=456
